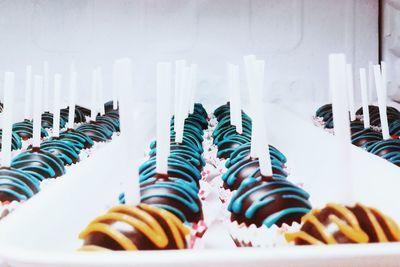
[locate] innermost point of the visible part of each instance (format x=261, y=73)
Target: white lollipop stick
x=93, y=109
x=193, y=80
x=262, y=139
x=371, y=81
x=122, y=78
x=249, y=71
x=163, y=116
x=6, y=139
x=364, y=97
x=28, y=92
x=337, y=84
x=181, y=115
x=236, y=111
x=56, y=107
x=115, y=92
x=100, y=91
x=37, y=112
x=72, y=92
x=350, y=88
x=46, y=86
x=230, y=90
x=384, y=81
x=179, y=69
x=381, y=102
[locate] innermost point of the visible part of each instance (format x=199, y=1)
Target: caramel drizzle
x=348, y=227
x=140, y=219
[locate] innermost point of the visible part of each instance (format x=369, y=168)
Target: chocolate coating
x=17, y=185
x=268, y=203
x=78, y=139
x=39, y=163
x=96, y=131
x=227, y=146
x=15, y=140
x=174, y=195
x=79, y=116
x=47, y=121
x=24, y=129
x=178, y=168
x=139, y=227
x=366, y=137
x=387, y=149
x=65, y=151
x=337, y=224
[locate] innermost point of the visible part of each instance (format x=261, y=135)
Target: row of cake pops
x=168, y=180
x=374, y=128
x=46, y=157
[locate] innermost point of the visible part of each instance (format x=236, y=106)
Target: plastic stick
x=236, y=111
x=337, y=84
x=381, y=102
x=179, y=69
x=384, y=81
x=163, y=116
x=350, y=88
x=101, y=101
x=249, y=73
x=72, y=92
x=364, y=97
x=46, y=86
x=122, y=78
x=93, y=109
x=259, y=119
x=28, y=92
x=193, y=84
x=182, y=98
x=371, y=81
x=6, y=138
x=56, y=106
x=37, y=112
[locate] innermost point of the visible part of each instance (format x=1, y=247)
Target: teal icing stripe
x=272, y=219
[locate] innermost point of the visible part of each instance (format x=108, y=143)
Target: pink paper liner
x=263, y=237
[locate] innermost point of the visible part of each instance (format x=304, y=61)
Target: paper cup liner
x=262, y=237
x=197, y=231
x=7, y=207
x=318, y=121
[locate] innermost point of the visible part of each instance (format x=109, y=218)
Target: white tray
x=44, y=231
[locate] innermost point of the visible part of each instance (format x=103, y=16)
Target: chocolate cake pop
x=78, y=139
x=79, y=116
x=39, y=163
x=325, y=112
x=140, y=227
x=392, y=114
x=338, y=224
x=268, y=203
x=110, y=123
x=24, y=129
x=96, y=131
x=47, y=121
x=366, y=137
x=228, y=146
x=17, y=185
x=387, y=149
x=63, y=150
x=15, y=142
x=174, y=195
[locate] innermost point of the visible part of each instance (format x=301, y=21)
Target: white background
x=293, y=36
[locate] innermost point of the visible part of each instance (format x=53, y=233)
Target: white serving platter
x=44, y=231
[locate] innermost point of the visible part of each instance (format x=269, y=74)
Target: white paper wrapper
x=263, y=236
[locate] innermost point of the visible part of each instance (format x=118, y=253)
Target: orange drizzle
x=141, y=220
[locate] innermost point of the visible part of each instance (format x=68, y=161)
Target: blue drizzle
x=277, y=200
x=40, y=164
x=17, y=185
